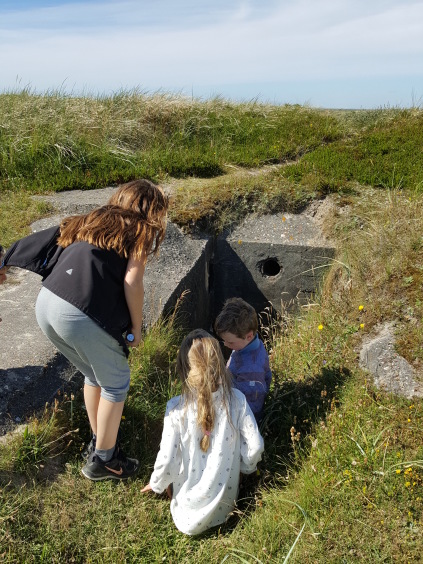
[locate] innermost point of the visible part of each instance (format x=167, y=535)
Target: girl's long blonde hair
x=201, y=367
x=132, y=223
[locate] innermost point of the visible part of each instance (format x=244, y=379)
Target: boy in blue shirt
x=237, y=326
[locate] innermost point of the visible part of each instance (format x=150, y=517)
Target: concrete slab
x=275, y=260
x=28, y=361
x=77, y=201
x=391, y=372
x=181, y=266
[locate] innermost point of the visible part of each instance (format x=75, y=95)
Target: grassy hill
x=342, y=476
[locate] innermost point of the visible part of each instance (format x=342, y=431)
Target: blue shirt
x=251, y=371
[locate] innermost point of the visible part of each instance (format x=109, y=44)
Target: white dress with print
x=205, y=484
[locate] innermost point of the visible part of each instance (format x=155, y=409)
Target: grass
x=17, y=212
x=385, y=155
x=342, y=475
x=56, y=142
x=218, y=203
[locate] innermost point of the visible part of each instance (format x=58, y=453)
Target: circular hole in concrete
x=269, y=267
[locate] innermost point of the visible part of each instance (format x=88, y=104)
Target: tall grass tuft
x=56, y=142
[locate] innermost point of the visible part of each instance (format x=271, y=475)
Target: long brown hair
x=201, y=368
x=132, y=223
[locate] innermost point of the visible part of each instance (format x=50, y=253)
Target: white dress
x=205, y=484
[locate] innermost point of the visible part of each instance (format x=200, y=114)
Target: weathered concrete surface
x=182, y=263
x=77, y=201
x=390, y=371
x=181, y=267
x=31, y=370
x=273, y=259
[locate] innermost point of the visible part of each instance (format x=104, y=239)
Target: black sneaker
x=118, y=468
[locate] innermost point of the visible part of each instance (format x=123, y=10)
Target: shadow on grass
x=291, y=412
x=40, y=450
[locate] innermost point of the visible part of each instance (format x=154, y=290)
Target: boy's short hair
x=237, y=317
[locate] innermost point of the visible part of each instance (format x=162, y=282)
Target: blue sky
x=324, y=53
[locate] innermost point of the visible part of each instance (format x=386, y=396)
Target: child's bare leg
x=92, y=399
x=109, y=415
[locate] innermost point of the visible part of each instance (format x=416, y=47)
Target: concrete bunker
x=271, y=261
x=275, y=260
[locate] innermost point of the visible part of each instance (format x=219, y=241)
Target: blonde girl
x=209, y=437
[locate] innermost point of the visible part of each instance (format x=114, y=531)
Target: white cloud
x=108, y=46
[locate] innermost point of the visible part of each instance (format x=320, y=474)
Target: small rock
x=391, y=372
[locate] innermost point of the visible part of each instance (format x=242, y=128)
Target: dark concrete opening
x=232, y=278
x=269, y=267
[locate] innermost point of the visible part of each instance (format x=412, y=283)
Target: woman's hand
x=146, y=488
x=136, y=340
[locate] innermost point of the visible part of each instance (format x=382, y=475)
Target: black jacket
x=37, y=252
x=90, y=278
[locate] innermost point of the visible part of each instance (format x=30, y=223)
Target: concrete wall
x=181, y=269
x=270, y=260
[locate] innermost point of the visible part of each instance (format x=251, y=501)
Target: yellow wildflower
x=360, y=307
x=320, y=327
